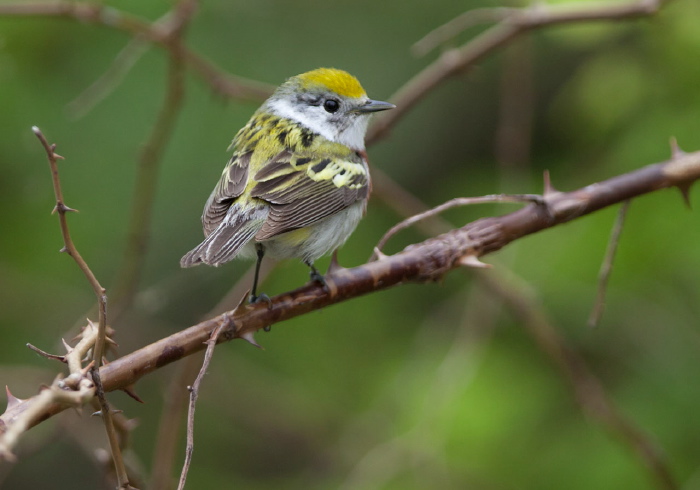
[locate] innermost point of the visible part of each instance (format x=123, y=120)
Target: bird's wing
x=302, y=191
x=231, y=185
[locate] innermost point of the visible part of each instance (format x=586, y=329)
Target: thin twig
x=222, y=83
x=99, y=346
x=74, y=390
x=46, y=354
x=194, y=393
x=167, y=439
x=110, y=79
x=112, y=438
x=607, y=265
x=448, y=31
x=453, y=203
x=457, y=60
x=70, y=249
x=62, y=210
x=405, y=204
x=170, y=422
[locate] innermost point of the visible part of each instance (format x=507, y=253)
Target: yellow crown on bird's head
x=337, y=81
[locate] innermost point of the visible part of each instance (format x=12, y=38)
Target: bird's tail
x=224, y=243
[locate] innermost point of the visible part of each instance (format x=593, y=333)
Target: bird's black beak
x=373, y=106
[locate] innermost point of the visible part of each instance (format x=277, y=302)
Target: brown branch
x=453, y=203
x=219, y=81
x=194, y=394
x=426, y=261
x=69, y=246
x=449, y=30
x=72, y=391
x=520, y=21
x=101, y=339
x=170, y=422
x=589, y=391
x=171, y=414
x=174, y=21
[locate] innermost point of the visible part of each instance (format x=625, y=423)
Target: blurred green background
x=422, y=386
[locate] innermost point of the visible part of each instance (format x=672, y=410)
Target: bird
x=298, y=181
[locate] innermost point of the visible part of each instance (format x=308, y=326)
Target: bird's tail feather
x=226, y=241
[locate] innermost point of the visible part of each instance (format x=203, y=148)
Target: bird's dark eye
x=331, y=105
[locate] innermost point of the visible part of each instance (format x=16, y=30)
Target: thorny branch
x=425, y=261
x=100, y=339
x=73, y=391
x=458, y=249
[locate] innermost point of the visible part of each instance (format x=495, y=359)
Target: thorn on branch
x=549, y=189
x=68, y=348
x=129, y=390
x=676, y=151
x=685, y=192
x=334, y=266
x=242, y=306
x=46, y=354
x=378, y=254
x=250, y=338
x=472, y=260
x=12, y=400
x=61, y=207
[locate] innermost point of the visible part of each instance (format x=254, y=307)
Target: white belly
x=324, y=237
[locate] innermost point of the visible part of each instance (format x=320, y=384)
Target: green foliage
x=417, y=387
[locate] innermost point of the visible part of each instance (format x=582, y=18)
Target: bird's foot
x=255, y=299
x=316, y=276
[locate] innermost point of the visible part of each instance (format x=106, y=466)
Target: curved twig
x=454, y=61
x=101, y=339
x=222, y=83
x=453, y=203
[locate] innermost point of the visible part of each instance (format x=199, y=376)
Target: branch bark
x=422, y=262
x=426, y=261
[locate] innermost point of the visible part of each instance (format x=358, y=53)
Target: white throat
x=352, y=136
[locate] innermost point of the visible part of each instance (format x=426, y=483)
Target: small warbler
x=297, y=183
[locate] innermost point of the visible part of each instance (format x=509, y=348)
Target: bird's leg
x=254, y=298
x=316, y=276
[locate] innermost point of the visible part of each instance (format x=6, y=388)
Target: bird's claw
x=253, y=299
